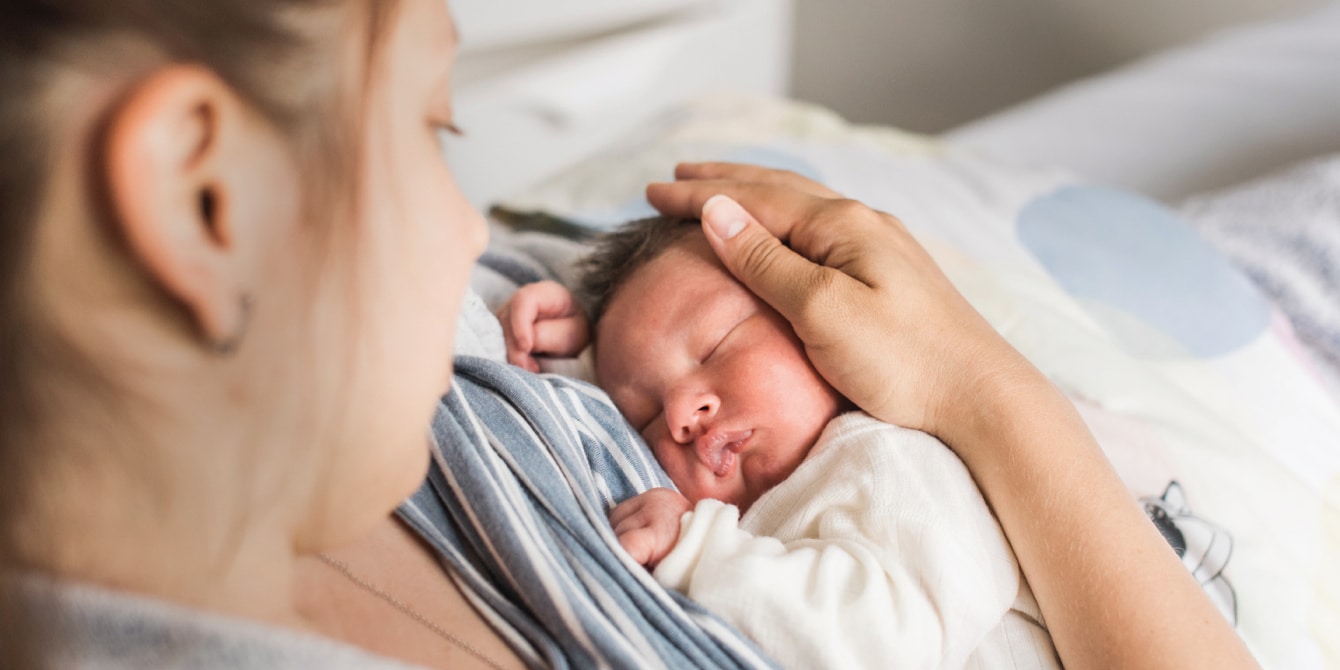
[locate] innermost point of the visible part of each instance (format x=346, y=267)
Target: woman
x=230, y=262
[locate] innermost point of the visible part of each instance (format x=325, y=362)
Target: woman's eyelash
x=450, y=128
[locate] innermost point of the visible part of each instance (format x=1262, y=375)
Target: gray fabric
x=98, y=628
x=516, y=258
x=1284, y=232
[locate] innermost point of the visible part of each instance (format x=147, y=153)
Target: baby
x=831, y=538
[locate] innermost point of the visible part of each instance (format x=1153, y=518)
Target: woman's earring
x=228, y=345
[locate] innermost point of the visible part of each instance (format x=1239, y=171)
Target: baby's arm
x=543, y=319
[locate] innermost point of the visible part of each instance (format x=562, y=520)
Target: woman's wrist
x=990, y=399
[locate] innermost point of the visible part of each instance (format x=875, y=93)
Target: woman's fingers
x=778, y=208
x=751, y=173
x=791, y=283
x=813, y=226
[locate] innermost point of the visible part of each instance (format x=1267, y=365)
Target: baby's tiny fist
x=648, y=524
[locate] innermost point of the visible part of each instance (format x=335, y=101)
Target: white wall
x=929, y=65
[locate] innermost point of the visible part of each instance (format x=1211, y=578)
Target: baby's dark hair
x=621, y=252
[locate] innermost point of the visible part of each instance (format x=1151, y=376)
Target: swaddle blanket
x=525, y=470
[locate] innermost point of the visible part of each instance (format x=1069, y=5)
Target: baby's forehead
x=686, y=276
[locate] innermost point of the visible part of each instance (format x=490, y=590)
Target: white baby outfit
x=877, y=552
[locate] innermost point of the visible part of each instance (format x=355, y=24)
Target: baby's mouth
x=719, y=450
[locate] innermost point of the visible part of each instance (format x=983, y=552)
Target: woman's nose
x=690, y=414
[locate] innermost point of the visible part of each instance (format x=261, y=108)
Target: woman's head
x=232, y=258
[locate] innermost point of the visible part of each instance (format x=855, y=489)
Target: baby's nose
x=691, y=416
x=693, y=426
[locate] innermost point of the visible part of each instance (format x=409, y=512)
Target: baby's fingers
x=565, y=337
x=641, y=544
x=549, y=300
x=626, y=510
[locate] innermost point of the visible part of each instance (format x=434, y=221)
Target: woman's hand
x=648, y=524
x=879, y=320
x=543, y=319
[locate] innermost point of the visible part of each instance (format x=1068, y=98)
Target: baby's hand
x=543, y=319
x=648, y=524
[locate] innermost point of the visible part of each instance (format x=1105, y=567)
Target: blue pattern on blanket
x=536, y=463
x=1152, y=282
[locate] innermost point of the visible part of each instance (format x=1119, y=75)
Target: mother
x=230, y=262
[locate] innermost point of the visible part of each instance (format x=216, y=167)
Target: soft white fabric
x=878, y=552
x=478, y=332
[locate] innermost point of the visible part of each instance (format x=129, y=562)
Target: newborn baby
x=831, y=538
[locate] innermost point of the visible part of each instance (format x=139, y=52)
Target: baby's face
x=714, y=379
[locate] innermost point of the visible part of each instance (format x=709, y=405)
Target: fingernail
x=726, y=217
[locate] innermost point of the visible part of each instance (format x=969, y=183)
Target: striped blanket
x=525, y=470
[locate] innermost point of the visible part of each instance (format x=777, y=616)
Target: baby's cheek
x=685, y=477
x=820, y=391
x=671, y=463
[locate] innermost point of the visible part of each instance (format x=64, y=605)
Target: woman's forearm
x=1113, y=592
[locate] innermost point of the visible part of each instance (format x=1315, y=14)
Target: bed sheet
x=1183, y=370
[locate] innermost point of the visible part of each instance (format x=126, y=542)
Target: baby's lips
x=725, y=463
x=718, y=449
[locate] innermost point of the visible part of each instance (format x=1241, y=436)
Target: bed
x=1173, y=265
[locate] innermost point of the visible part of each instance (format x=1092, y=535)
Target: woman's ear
x=175, y=165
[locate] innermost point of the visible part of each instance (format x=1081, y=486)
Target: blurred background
x=542, y=84
x=930, y=65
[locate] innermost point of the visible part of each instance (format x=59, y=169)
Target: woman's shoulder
x=102, y=628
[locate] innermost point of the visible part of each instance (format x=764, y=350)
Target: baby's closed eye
x=718, y=341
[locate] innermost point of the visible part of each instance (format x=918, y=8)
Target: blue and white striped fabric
x=525, y=470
